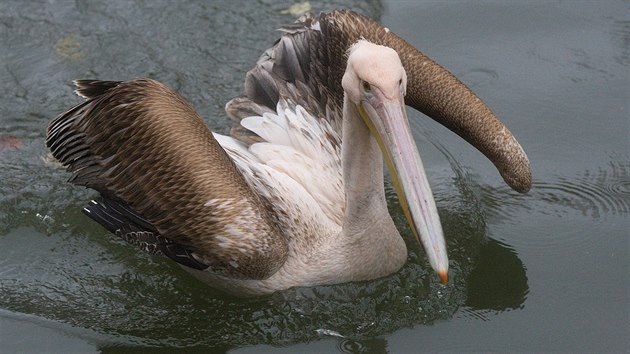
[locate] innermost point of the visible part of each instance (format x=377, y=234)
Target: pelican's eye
x=366, y=86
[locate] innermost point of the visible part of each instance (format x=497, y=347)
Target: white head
x=371, y=65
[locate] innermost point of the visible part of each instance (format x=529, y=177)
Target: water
x=537, y=272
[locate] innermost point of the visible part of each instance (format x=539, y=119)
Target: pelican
x=295, y=195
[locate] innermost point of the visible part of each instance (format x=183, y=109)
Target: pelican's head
x=375, y=82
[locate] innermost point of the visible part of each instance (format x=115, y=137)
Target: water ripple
x=353, y=346
x=479, y=77
x=595, y=194
x=620, y=32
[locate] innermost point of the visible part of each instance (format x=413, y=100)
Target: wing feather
x=299, y=133
x=146, y=150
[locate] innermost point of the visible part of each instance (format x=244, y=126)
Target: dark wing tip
x=124, y=222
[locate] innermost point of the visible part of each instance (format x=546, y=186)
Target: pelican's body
x=295, y=196
x=333, y=238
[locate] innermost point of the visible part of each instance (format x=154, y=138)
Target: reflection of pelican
x=295, y=197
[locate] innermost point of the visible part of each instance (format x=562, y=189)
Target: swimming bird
x=295, y=195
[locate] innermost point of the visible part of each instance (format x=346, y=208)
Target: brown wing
x=141, y=145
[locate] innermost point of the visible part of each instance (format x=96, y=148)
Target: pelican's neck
x=362, y=164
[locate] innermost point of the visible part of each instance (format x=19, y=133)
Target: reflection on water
x=498, y=280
